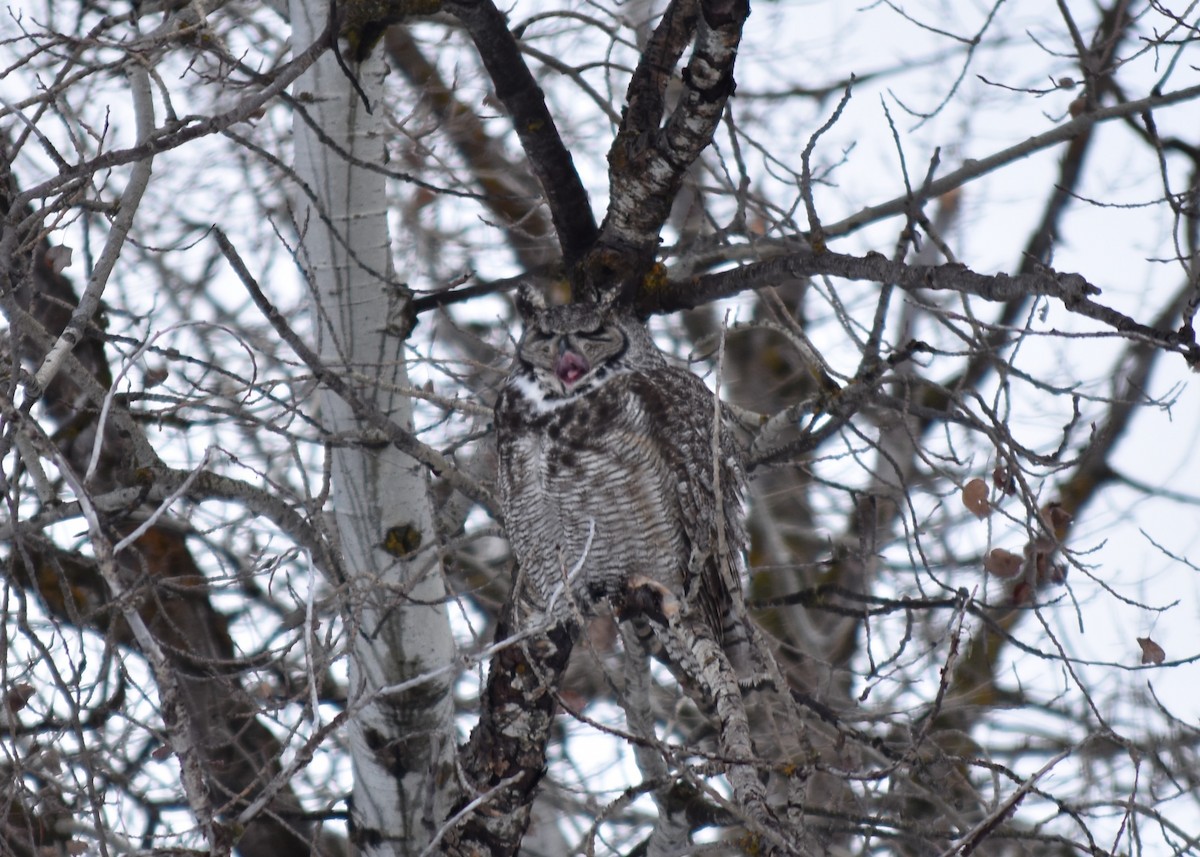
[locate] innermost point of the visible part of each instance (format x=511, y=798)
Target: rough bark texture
x=506, y=755
x=653, y=150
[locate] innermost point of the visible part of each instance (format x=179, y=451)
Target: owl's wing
x=682, y=414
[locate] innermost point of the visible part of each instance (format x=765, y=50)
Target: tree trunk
x=401, y=734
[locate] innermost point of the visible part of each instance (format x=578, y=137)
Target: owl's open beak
x=570, y=367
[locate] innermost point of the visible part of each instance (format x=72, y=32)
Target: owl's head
x=569, y=350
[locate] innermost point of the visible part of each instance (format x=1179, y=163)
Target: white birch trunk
x=401, y=743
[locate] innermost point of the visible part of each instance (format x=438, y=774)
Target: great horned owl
x=616, y=497
x=609, y=479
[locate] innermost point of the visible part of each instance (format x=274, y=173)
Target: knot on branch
x=711, y=85
x=1192, y=356
x=1075, y=289
x=912, y=347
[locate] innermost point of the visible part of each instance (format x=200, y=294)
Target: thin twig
x=403, y=440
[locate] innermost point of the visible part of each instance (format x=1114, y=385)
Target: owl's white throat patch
x=535, y=392
x=549, y=392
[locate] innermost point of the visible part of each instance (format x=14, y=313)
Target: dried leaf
x=974, y=497
x=1003, y=480
x=1152, y=652
x=18, y=697
x=155, y=375
x=1053, y=572
x=1057, y=518
x=1003, y=563
x=58, y=258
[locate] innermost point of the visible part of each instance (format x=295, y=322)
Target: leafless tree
x=255, y=269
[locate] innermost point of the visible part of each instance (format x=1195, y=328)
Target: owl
x=620, y=481
x=614, y=495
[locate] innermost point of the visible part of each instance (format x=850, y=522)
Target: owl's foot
x=647, y=598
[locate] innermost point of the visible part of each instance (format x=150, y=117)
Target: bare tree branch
x=526, y=105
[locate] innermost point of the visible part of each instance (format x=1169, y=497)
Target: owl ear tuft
x=530, y=300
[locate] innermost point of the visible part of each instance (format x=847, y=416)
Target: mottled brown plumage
x=607, y=472
x=616, y=498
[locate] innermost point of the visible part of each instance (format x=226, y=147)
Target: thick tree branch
x=526, y=105
x=505, y=758
x=1072, y=290
x=509, y=192
x=649, y=158
x=646, y=96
